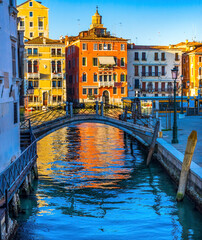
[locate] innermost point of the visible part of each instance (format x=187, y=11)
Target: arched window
x=199, y=71
x=84, y=77
x=53, y=67
x=122, y=77
x=59, y=67
x=29, y=66
x=115, y=77
x=35, y=67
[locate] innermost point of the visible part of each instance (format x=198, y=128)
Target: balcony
x=151, y=74
x=33, y=75
x=152, y=90
x=22, y=28
x=40, y=28
x=56, y=75
x=106, y=84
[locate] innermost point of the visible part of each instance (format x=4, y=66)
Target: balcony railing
x=151, y=74
x=33, y=54
x=157, y=90
x=106, y=67
x=22, y=27
x=40, y=28
x=56, y=75
x=106, y=84
x=33, y=75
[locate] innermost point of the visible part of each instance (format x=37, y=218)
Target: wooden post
x=191, y=144
x=152, y=146
x=6, y=211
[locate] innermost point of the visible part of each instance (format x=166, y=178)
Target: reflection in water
x=92, y=185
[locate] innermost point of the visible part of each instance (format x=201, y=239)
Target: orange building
x=192, y=71
x=96, y=65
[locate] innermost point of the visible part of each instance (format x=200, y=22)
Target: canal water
x=92, y=186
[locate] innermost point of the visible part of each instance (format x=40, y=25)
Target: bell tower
x=96, y=20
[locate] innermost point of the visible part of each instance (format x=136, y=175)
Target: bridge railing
x=14, y=171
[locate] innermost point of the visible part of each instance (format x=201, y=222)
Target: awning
x=106, y=60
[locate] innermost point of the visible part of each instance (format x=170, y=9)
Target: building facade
x=9, y=84
x=33, y=19
x=96, y=65
x=192, y=71
x=149, y=70
x=45, y=72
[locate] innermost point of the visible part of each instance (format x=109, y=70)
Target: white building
x=9, y=84
x=149, y=69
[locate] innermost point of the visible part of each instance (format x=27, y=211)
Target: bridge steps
x=25, y=140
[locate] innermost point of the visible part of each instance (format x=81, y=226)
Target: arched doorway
x=105, y=96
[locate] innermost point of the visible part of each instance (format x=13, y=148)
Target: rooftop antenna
x=97, y=8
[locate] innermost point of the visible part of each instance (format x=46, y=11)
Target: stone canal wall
x=171, y=159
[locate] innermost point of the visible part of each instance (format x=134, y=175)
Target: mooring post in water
x=71, y=109
x=96, y=107
x=7, y=210
x=152, y=146
x=67, y=108
x=191, y=144
x=160, y=128
x=102, y=109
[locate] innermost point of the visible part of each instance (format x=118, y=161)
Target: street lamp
x=182, y=77
x=174, y=72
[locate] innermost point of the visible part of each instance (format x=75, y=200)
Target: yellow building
x=45, y=71
x=33, y=19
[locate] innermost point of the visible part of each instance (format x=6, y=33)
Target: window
x=137, y=83
x=22, y=24
x=143, y=71
x=95, y=77
x=200, y=58
x=95, y=47
x=163, y=86
x=35, y=67
x=14, y=60
x=176, y=57
x=143, y=86
x=122, y=90
x=30, y=4
x=150, y=71
x=53, y=51
x=84, y=91
x=143, y=56
x=59, y=68
x=36, y=84
x=156, y=56
x=163, y=56
x=109, y=47
x=84, y=79
x=95, y=62
x=54, y=84
x=84, y=61
x=156, y=86
x=59, y=52
x=100, y=46
x=115, y=77
x=59, y=98
x=105, y=78
x=29, y=51
x=199, y=71
x=53, y=67
x=163, y=71
x=116, y=61
x=31, y=34
x=84, y=46
x=15, y=112
x=59, y=84
x=95, y=91
x=35, y=51
x=29, y=66
x=90, y=91
x=156, y=70
x=40, y=34
x=122, y=77
x=30, y=84
x=105, y=46
x=31, y=24
x=31, y=14
x=136, y=56
x=100, y=78
x=136, y=71
x=114, y=90
x=122, y=47
x=40, y=23
x=122, y=62
x=54, y=99
x=36, y=99
x=110, y=78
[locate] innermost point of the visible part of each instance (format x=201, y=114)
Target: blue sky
x=143, y=21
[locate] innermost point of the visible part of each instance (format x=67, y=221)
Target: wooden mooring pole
x=191, y=144
x=152, y=146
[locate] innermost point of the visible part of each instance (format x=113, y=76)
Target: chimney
x=186, y=41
